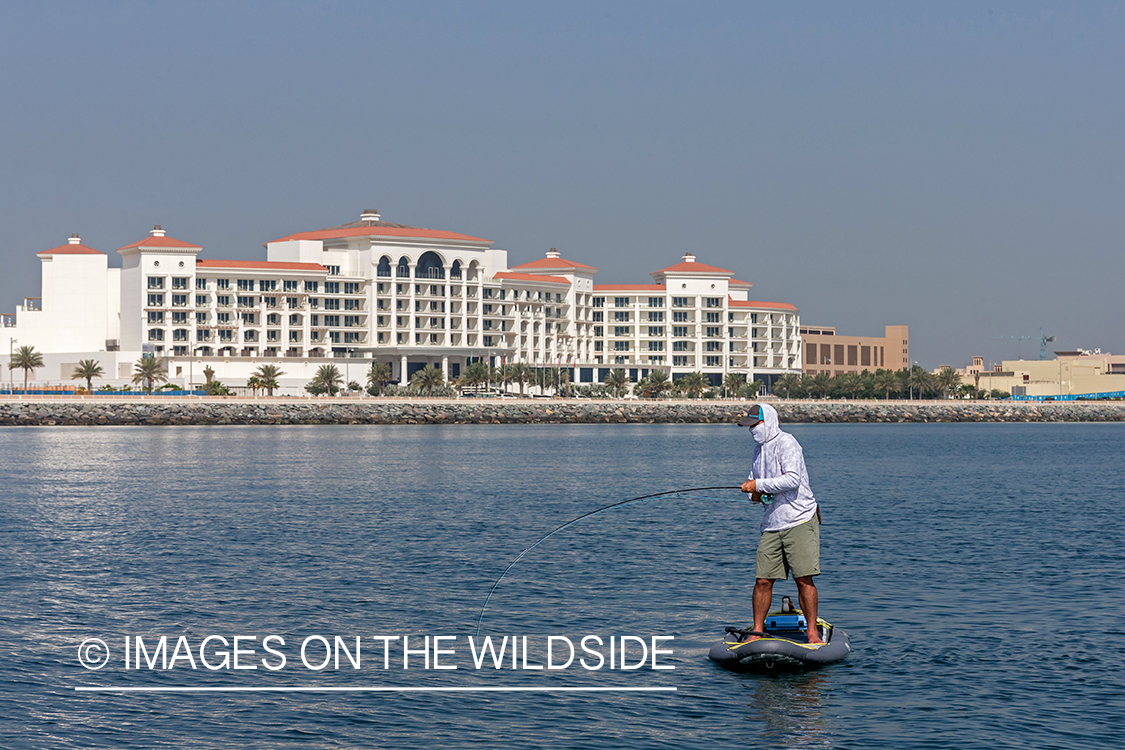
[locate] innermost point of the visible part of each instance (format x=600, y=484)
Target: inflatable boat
x=782, y=646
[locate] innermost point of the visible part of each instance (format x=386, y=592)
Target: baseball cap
x=752, y=417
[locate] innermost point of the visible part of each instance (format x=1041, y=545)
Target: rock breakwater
x=159, y=411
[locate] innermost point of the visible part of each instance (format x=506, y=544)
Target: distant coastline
x=283, y=411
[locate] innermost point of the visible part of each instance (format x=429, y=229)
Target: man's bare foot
x=814, y=637
x=750, y=639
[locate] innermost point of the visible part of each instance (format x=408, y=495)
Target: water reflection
x=789, y=709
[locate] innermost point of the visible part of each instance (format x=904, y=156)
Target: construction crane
x=1043, y=340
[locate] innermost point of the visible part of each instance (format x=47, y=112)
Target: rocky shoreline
x=161, y=411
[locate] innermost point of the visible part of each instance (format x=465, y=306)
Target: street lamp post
x=11, y=371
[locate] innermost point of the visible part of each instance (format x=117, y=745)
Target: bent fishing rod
x=611, y=506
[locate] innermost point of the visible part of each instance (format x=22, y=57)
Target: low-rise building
x=826, y=351
x=1071, y=374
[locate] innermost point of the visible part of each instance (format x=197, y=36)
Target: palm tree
x=819, y=384
x=378, y=376
x=887, y=382
x=427, y=379
x=949, y=379
x=693, y=384
x=209, y=373
x=267, y=377
x=916, y=380
x=474, y=376
x=26, y=359
x=326, y=380
x=88, y=369
x=787, y=384
x=522, y=375
x=617, y=380
x=657, y=382
x=849, y=383
x=751, y=389
x=254, y=383
x=733, y=383
x=149, y=370
x=505, y=375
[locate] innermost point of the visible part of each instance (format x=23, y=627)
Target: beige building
x=1069, y=375
x=829, y=352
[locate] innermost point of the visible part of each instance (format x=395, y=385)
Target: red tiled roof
x=71, y=250
x=736, y=282
x=265, y=265
x=530, y=277
x=766, y=305
x=695, y=267
x=378, y=231
x=554, y=263
x=629, y=287
x=158, y=242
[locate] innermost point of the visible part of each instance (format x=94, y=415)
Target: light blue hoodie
x=779, y=469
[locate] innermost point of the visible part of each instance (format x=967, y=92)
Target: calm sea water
x=976, y=567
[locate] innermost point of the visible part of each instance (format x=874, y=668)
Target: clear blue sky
x=957, y=167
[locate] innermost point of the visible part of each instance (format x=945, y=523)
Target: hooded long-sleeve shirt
x=778, y=468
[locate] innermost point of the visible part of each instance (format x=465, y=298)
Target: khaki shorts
x=795, y=549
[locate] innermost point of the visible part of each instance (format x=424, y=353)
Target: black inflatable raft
x=782, y=646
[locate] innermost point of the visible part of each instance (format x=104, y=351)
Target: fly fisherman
x=791, y=523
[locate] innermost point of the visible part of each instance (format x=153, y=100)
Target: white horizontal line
x=315, y=689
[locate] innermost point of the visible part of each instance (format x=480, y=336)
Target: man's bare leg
x=763, y=597
x=806, y=595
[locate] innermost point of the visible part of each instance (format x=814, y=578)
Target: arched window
x=384, y=268
x=455, y=270
x=429, y=266
x=403, y=271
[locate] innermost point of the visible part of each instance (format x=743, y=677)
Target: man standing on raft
x=791, y=524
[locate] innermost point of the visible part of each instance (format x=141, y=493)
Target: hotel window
x=179, y=300
x=622, y=330
x=714, y=332
x=269, y=301
x=155, y=317
x=488, y=341
x=179, y=317
x=599, y=331
x=294, y=320
x=246, y=301
x=312, y=286
x=712, y=361
x=656, y=346
x=680, y=346
x=351, y=321
x=621, y=317
x=621, y=302
x=683, y=302
x=273, y=335
x=201, y=318
x=352, y=337
x=714, y=301
x=714, y=317
x=294, y=335
x=597, y=346
x=245, y=285
x=597, y=316
x=273, y=319
x=679, y=317
x=202, y=335
x=331, y=303
x=223, y=300
x=179, y=282
x=155, y=282
x=249, y=335
x=222, y=283
x=156, y=334
x=656, y=317
x=180, y=334
x=714, y=346
x=292, y=302
x=156, y=300
x=200, y=283
x=352, y=287
x=223, y=317
x=267, y=285
x=332, y=287
x=333, y=270
x=332, y=320
x=656, y=330
x=334, y=337
x=201, y=300
x=680, y=362
x=622, y=346
x=679, y=331
x=598, y=302
x=226, y=335
x=355, y=304
x=656, y=302
x=290, y=285
x=249, y=318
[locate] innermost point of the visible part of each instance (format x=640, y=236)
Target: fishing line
x=682, y=493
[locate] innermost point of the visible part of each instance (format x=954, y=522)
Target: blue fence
x=34, y=392
x=1074, y=397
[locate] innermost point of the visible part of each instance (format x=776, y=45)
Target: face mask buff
x=758, y=431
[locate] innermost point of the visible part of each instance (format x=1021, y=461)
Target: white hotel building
x=374, y=290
